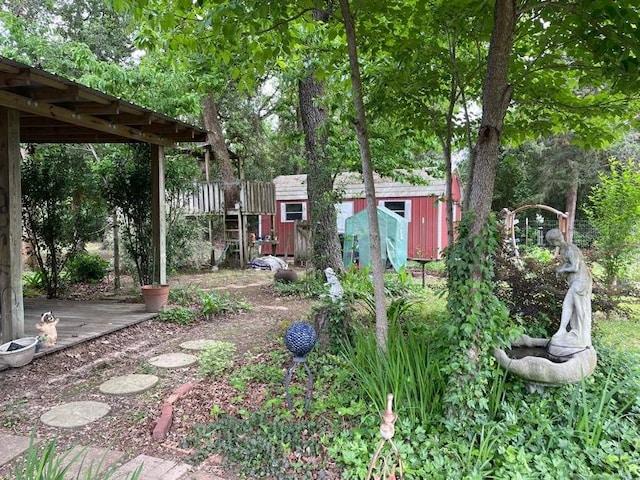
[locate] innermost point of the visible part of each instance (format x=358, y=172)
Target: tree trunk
x=496, y=97
x=325, y=247
x=475, y=311
x=215, y=136
x=369, y=186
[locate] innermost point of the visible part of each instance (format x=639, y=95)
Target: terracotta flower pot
x=155, y=297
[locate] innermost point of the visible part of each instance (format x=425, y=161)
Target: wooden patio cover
x=38, y=107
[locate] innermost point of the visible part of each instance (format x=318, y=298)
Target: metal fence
x=532, y=226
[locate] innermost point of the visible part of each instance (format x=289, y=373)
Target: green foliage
x=333, y=323
x=34, y=280
x=478, y=319
x=255, y=371
x=411, y=369
x=265, y=447
x=358, y=288
x=60, y=209
x=214, y=303
x=437, y=268
x=85, y=267
x=127, y=187
x=615, y=213
x=534, y=294
x=588, y=430
x=182, y=174
x=45, y=463
x=179, y=315
x=538, y=254
x=216, y=358
x=308, y=286
x=184, y=295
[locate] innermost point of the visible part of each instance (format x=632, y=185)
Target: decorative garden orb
x=300, y=339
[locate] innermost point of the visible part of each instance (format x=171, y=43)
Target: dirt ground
x=75, y=374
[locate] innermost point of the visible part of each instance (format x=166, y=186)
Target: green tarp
x=393, y=239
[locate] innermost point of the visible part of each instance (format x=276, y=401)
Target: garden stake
x=387, y=463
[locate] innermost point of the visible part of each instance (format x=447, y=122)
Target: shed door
x=344, y=211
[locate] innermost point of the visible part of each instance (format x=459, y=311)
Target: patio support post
x=11, y=303
x=158, y=217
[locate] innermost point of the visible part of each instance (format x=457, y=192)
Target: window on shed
x=401, y=207
x=293, y=211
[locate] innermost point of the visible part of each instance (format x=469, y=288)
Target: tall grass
x=590, y=414
x=47, y=464
x=410, y=369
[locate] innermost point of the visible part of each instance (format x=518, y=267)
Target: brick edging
x=166, y=415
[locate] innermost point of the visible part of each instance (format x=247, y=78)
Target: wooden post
x=11, y=302
x=158, y=217
x=116, y=250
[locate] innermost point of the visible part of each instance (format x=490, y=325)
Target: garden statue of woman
x=574, y=334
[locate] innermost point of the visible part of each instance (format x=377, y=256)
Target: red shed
x=422, y=205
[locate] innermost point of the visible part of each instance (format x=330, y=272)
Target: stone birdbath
x=568, y=356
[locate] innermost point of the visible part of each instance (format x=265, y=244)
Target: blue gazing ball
x=300, y=338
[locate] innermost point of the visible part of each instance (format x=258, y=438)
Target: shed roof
x=294, y=187
x=56, y=110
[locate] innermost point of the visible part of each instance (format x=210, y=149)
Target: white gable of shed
x=294, y=187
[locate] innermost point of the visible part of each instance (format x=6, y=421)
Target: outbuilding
x=422, y=205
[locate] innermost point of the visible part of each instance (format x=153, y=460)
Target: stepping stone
x=12, y=446
x=129, y=384
x=75, y=414
x=173, y=360
x=200, y=344
x=152, y=469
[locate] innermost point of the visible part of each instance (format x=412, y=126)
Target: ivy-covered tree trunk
x=478, y=316
x=325, y=247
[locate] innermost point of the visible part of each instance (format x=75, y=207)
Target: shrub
x=184, y=295
x=534, y=293
x=615, y=213
x=88, y=268
x=307, y=286
x=179, y=315
x=216, y=358
x=34, y=280
x=214, y=303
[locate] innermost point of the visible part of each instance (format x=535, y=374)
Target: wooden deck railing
x=255, y=198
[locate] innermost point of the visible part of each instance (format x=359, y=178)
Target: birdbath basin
x=529, y=359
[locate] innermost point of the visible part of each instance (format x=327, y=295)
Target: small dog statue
x=47, y=329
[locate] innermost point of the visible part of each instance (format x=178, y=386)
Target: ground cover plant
x=586, y=430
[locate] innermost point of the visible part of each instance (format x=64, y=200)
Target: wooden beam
x=91, y=108
x=129, y=119
x=23, y=104
x=55, y=95
x=11, y=300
